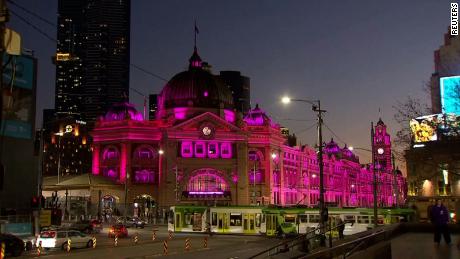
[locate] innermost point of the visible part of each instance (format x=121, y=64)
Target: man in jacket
x=440, y=218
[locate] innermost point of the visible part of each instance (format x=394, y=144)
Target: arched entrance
x=209, y=186
x=144, y=206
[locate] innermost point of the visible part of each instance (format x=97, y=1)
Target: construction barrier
x=39, y=248
x=94, y=242
x=2, y=252
x=136, y=239
x=165, y=247
x=170, y=234
x=69, y=242
x=188, y=244
x=115, y=241
x=205, y=242
x=154, y=235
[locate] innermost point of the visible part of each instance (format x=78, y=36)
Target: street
x=218, y=246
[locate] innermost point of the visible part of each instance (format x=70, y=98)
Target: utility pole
x=177, y=187
x=324, y=215
x=375, y=175
x=254, y=182
x=40, y=181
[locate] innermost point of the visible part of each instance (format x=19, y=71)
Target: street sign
x=45, y=218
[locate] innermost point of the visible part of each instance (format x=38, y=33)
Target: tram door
x=178, y=222
x=222, y=222
x=271, y=224
x=249, y=223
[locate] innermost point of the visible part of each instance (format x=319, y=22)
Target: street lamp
x=60, y=134
x=316, y=107
x=351, y=148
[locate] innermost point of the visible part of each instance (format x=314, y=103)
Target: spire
x=195, y=60
x=380, y=122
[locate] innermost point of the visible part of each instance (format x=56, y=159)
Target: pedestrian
x=340, y=226
x=440, y=218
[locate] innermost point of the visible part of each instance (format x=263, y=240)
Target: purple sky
x=355, y=56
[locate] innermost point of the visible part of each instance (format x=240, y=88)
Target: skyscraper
x=92, y=59
x=107, y=55
x=70, y=56
x=241, y=89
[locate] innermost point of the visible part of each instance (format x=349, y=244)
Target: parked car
x=13, y=245
x=88, y=226
x=118, y=230
x=58, y=239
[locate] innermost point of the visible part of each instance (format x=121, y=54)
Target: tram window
x=289, y=218
x=303, y=218
x=171, y=217
x=188, y=219
x=235, y=219
x=363, y=220
x=258, y=216
x=313, y=218
x=263, y=218
x=214, y=219
x=349, y=218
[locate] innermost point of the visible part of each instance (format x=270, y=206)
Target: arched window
x=207, y=181
x=144, y=152
x=110, y=153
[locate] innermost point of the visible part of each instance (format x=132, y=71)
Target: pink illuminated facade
x=212, y=155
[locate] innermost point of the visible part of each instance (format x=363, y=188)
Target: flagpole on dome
x=196, y=31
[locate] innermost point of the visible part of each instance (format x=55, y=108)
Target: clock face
x=380, y=150
x=207, y=131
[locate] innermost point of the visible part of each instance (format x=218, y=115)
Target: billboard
x=18, y=111
x=435, y=127
x=450, y=94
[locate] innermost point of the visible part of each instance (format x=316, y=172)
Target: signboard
x=45, y=218
x=435, y=127
x=18, y=96
x=450, y=94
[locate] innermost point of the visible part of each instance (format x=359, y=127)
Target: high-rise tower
x=70, y=56
x=92, y=59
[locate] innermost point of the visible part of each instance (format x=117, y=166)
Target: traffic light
x=34, y=202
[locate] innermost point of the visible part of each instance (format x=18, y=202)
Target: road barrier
x=205, y=242
x=39, y=248
x=94, y=242
x=136, y=238
x=69, y=242
x=2, y=252
x=165, y=247
x=188, y=244
x=154, y=235
x=170, y=234
x=115, y=241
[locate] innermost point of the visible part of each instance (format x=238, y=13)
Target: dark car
x=131, y=222
x=118, y=230
x=13, y=245
x=88, y=226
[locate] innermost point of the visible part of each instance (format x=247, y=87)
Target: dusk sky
x=355, y=56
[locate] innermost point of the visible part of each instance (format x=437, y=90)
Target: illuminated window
x=213, y=151
x=110, y=153
x=226, y=150
x=200, y=147
x=186, y=149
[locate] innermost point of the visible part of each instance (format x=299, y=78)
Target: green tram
x=252, y=220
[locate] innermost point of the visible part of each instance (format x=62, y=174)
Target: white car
x=58, y=239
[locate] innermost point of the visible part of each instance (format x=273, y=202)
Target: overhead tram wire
x=33, y=26
x=333, y=133
x=32, y=13
x=55, y=41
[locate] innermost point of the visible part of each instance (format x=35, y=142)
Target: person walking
x=440, y=218
x=340, y=226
